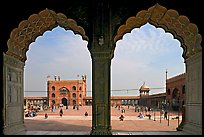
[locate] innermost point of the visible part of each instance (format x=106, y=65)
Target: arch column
x=13, y=95
x=193, y=115
x=101, y=115
x=101, y=49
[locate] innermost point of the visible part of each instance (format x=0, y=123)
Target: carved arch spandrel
x=178, y=25
x=36, y=25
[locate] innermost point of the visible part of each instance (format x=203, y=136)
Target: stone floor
x=73, y=122
x=113, y=133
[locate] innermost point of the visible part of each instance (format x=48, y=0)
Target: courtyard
x=73, y=121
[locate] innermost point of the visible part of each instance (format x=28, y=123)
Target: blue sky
x=141, y=56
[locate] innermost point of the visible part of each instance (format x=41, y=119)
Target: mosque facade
x=73, y=92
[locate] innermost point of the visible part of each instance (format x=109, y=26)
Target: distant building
x=124, y=100
x=117, y=100
x=35, y=102
x=172, y=99
x=73, y=92
x=175, y=94
x=144, y=95
x=66, y=92
x=153, y=100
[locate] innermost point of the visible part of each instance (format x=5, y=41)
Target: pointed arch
x=28, y=30
x=178, y=25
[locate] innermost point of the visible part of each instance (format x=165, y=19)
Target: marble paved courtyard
x=73, y=122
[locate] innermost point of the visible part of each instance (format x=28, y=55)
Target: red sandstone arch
x=170, y=21
x=28, y=30
x=175, y=98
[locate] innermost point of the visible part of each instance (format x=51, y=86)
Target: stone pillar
x=101, y=115
x=13, y=95
x=180, y=127
x=193, y=116
x=101, y=48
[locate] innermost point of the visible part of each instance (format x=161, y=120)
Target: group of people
x=31, y=113
x=162, y=112
x=61, y=113
x=142, y=109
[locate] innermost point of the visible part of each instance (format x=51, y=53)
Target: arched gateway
x=64, y=101
x=187, y=33
x=101, y=46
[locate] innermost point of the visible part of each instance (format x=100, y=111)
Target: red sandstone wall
x=176, y=82
x=68, y=84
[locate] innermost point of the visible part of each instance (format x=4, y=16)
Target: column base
x=14, y=129
x=193, y=129
x=101, y=131
x=180, y=127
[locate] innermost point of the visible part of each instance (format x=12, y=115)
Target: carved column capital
x=10, y=60
x=102, y=55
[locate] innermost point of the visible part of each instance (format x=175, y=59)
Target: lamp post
x=168, y=112
x=160, y=110
x=178, y=107
x=167, y=107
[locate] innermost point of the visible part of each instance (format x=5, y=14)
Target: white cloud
x=58, y=52
x=141, y=56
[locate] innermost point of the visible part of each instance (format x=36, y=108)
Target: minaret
x=144, y=90
x=166, y=88
x=48, y=78
x=84, y=77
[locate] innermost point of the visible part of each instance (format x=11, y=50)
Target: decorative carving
x=14, y=80
x=14, y=92
x=36, y=25
x=101, y=131
x=12, y=61
x=169, y=20
x=101, y=55
x=9, y=94
x=101, y=40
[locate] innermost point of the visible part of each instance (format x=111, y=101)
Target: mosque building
x=73, y=92
x=66, y=92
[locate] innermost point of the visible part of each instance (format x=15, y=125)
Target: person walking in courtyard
x=61, y=112
x=165, y=115
x=86, y=114
x=46, y=115
x=123, y=111
x=121, y=117
x=53, y=108
x=161, y=112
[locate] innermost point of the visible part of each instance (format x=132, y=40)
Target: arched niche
x=14, y=61
x=187, y=33
x=36, y=25
x=178, y=25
